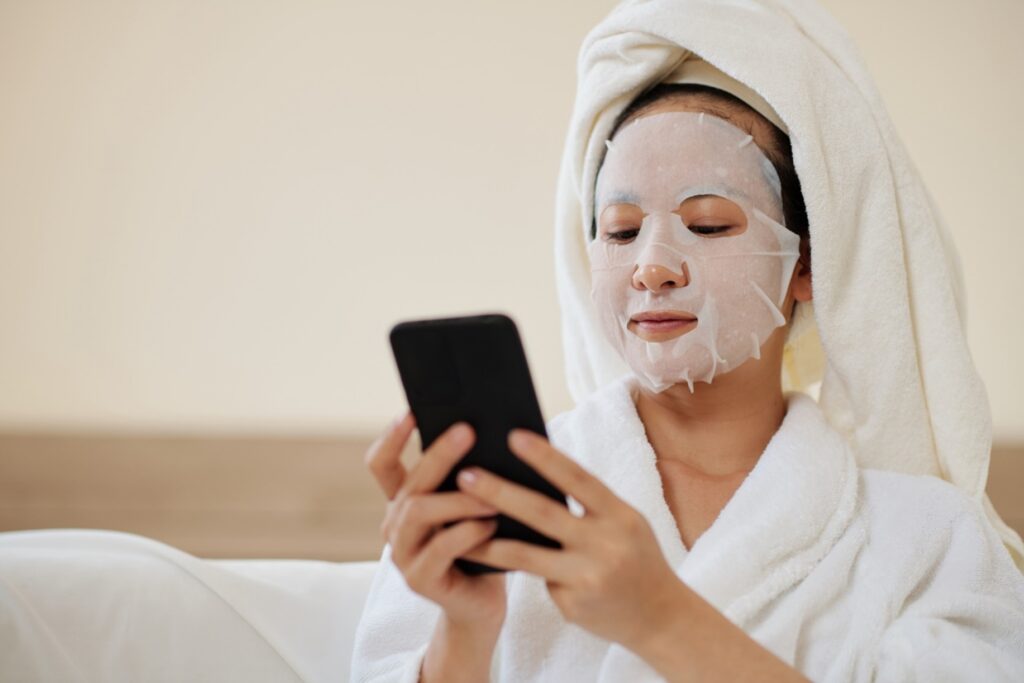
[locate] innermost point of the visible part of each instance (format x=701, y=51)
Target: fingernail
x=518, y=439
x=461, y=434
x=467, y=477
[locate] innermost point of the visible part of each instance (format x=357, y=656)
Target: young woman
x=723, y=528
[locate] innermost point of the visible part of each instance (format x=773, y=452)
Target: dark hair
x=724, y=105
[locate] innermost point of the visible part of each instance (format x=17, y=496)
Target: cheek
x=609, y=287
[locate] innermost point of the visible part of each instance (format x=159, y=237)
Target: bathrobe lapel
x=783, y=519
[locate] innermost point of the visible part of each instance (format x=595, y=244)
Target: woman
x=720, y=527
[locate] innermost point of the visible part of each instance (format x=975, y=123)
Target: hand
x=610, y=576
x=421, y=548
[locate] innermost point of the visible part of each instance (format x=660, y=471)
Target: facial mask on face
x=688, y=211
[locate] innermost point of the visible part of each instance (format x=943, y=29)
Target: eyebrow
x=712, y=191
x=622, y=197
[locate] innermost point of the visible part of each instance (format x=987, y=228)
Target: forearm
x=694, y=641
x=459, y=653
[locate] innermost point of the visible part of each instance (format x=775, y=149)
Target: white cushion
x=109, y=606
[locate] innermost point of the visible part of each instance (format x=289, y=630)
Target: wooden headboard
x=244, y=496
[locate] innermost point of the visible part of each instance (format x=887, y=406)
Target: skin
x=610, y=576
x=708, y=441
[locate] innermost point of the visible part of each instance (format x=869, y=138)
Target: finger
x=384, y=455
x=554, y=565
x=438, y=460
x=420, y=514
x=526, y=505
x=439, y=554
x=561, y=470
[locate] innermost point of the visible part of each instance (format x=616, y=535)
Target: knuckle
x=453, y=538
x=591, y=581
x=414, y=505
x=403, y=510
x=546, y=512
x=571, y=608
x=414, y=579
x=370, y=456
x=514, y=554
x=579, y=478
x=447, y=543
x=486, y=526
x=409, y=509
x=632, y=521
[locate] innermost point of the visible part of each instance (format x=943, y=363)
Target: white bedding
x=84, y=605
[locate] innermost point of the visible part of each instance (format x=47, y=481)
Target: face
x=691, y=263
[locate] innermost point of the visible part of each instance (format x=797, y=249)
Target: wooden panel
x=243, y=496
x=1006, y=484
x=213, y=497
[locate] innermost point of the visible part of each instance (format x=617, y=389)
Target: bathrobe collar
x=786, y=515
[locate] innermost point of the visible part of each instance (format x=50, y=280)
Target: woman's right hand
x=423, y=549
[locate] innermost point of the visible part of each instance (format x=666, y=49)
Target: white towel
x=898, y=379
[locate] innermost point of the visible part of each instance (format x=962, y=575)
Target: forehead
x=664, y=155
x=742, y=117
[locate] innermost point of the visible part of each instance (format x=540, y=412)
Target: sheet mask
x=734, y=283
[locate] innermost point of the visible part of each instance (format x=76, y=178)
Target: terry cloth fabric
x=848, y=574
x=886, y=337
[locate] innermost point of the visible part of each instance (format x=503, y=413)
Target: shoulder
x=914, y=498
x=914, y=512
x=921, y=528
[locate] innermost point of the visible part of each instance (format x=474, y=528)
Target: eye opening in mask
x=724, y=105
x=712, y=216
x=621, y=221
x=706, y=215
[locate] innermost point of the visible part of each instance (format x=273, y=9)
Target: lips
x=661, y=325
x=661, y=316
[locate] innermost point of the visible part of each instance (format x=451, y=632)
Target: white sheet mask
x=658, y=170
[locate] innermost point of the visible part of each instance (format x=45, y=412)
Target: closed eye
x=711, y=230
x=622, y=236
x=711, y=216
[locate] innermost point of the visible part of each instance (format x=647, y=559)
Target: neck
x=721, y=428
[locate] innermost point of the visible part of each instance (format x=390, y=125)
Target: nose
x=655, y=277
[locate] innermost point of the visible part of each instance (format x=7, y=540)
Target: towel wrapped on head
x=886, y=337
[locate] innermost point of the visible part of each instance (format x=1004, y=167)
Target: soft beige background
x=211, y=213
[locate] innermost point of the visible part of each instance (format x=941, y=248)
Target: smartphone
x=474, y=369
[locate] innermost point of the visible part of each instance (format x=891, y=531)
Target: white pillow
x=82, y=605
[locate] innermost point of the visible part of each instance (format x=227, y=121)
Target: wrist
x=475, y=625
x=691, y=640
x=460, y=651
x=476, y=630
x=666, y=622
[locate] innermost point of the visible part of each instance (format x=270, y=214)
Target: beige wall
x=211, y=213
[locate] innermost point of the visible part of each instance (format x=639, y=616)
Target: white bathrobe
x=848, y=574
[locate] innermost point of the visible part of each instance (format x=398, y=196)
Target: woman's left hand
x=610, y=576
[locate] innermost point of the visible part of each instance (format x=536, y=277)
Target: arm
x=404, y=638
x=610, y=577
x=394, y=629
x=417, y=594
x=459, y=653
x=694, y=641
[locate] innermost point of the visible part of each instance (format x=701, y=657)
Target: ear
x=802, y=288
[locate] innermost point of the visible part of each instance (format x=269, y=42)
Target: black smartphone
x=474, y=369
